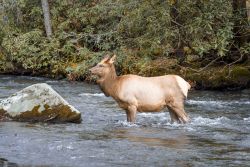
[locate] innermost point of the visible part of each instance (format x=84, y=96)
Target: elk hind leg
x=178, y=110
x=174, y=117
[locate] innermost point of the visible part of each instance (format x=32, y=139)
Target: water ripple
x=92, y=94
x=218, y=103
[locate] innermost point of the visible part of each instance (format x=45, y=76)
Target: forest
x=204, y=41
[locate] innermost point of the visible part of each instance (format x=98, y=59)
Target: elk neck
x=108, y=83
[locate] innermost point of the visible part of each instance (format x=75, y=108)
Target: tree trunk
x=241, y=24
x=19, y=16
x=176, y=22
x=47, y=21
x=248, y=9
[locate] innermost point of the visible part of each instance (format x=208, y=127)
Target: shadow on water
x=129, y=134
x=175, y=142
x=6, y=163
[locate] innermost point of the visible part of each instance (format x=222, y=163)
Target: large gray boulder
x=38, y=103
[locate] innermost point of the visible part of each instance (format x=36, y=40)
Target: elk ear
x=112, y=59
x=105, y=59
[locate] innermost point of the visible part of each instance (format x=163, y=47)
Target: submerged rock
x=38, y=103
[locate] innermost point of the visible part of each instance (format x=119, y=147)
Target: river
x=218, y=134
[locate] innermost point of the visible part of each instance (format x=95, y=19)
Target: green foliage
x=209, y=26
x=137, y=30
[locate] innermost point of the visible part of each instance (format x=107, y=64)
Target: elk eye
x=101, y=65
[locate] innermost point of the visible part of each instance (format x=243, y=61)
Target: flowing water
x=218, y=135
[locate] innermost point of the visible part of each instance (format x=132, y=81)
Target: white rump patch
x=185, y=86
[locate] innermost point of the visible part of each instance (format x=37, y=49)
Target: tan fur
x=135, y=94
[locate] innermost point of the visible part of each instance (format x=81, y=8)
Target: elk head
x=104, y=68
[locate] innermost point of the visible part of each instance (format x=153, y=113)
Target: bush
x=139, y=31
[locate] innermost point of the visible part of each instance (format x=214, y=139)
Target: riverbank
x=211, y=76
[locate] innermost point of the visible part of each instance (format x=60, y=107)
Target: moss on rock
x=240, y=74
x=219, y=78
x=3, y=115
x=38, y=103
x=55, y=114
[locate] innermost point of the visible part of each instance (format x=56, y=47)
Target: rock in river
x=38, y=103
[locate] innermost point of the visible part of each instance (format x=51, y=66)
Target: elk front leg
x=131, y=114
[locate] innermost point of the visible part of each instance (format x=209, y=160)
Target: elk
x=135, y=93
